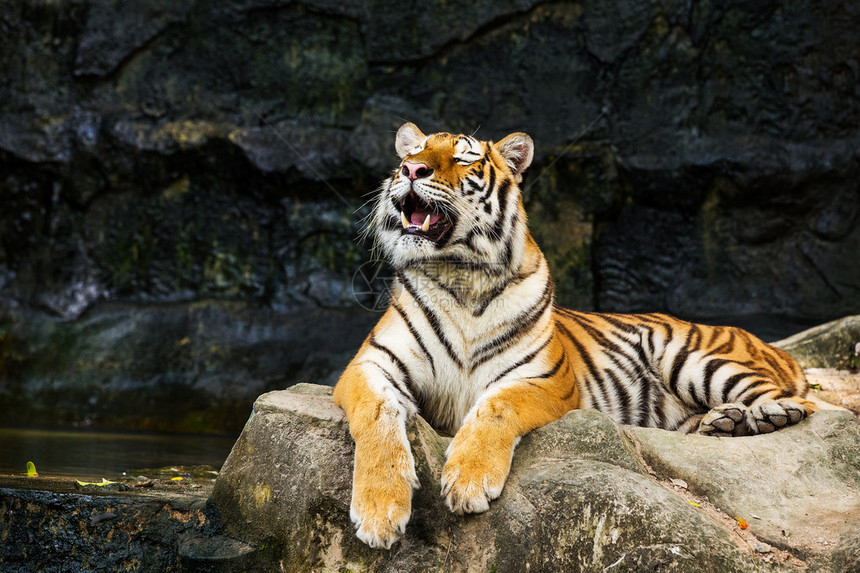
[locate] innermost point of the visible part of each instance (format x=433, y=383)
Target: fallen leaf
x=102, y=483
x=693, y=503
x=741, y=522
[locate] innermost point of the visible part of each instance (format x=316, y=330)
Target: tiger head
x=454, y=199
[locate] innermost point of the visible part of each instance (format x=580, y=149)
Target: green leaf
x=31, y=470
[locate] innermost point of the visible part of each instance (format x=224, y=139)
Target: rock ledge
x=584, y=494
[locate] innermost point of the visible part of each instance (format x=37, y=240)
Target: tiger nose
x=415, y=170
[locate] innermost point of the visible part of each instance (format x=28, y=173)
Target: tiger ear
x=518, y=149
x=407, y=137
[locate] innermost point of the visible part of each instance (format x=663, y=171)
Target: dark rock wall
x=164, y=165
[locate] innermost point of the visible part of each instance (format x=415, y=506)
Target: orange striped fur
x=473, y=342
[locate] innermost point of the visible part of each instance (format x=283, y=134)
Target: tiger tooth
x=426, y=224
x=404, y=220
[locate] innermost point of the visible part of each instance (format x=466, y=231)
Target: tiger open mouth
x=420, y=218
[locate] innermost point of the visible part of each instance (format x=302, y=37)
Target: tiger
x=473, y=342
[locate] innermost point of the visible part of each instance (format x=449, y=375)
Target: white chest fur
x=456, y=338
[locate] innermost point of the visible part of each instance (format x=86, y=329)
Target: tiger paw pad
x=724, y=420
x=770, y=416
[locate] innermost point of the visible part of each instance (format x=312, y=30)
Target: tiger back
x=473, y=342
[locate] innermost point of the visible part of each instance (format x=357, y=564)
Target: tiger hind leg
x=736, y=419
x=769, y=416
x=725, y=420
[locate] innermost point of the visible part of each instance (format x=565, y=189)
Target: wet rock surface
x=48, y=524
x=188, y=367
x=584, y=494
x=697, y=159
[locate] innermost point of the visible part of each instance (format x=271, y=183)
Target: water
x=95, y=455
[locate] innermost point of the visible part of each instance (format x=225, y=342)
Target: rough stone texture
x=832, y=345
x=194, y=367
x=839, y=387
x=584, y=494
x=697, y=158
x=54, y=531
x=797, y=488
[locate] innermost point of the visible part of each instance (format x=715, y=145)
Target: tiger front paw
x=381, y=511
x=382, y=486
x=471, y=482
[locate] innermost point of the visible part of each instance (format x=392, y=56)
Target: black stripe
x=393, y=381
x=519, y=325
x=753, y=391
x=492, y=295
x=618, y=323
x=521, y=322
x=573, y=384
x=644, y=406
x=554, y=370
x=415, y=335
x=467, y=241
x=651, y=347
x=715, y=333
x=452, y=292
x=636, y=367
x=525, y=360
x=646, y=376
x=490, y=185
x=696, y=333
x=731, y=382
x=678, y=364
x=727, y=346
x=600, y=336
x=749, y=343
x=431, y=317
x=503, y=206
x=655, y=319
x=589, y=365
x=710, y=369
x=776, y=365
x=614, y=350
x=407, y=378
x=509, y=251
x=623, y=395
x=659, y=406
x=473, y=187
